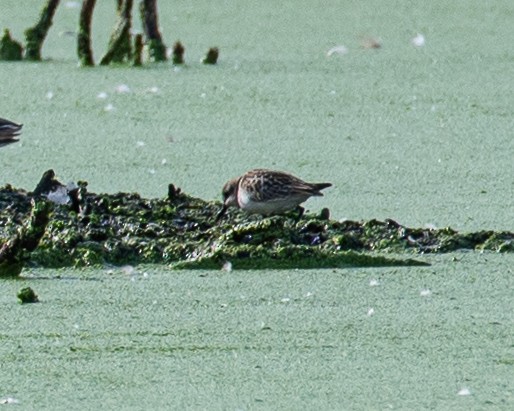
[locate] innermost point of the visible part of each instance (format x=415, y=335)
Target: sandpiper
x=8, y=132
x=267, y=192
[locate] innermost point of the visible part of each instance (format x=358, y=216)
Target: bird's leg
x=220, y=215
x=300, y=210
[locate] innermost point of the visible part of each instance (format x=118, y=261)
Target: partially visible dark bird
x=8, y=132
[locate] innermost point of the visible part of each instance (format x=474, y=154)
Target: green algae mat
x=56, y=226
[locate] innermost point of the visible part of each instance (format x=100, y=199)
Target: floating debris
x=8, y=400
x=418, y=40
x=464, y=391
x=339, y=50
x=425, y=293
x=122, y=89
x=371, y=43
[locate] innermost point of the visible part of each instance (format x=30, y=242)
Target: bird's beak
x=221, y=213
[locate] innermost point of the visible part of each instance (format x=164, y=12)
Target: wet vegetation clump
x=27, y=295
x=58, y=226
x=10, y=49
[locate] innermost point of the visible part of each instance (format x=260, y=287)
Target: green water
x=159, y=339
x=420, y=135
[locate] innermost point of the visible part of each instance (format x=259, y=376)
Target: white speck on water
x=425, y=292
x=203, y=95
x=339, y=50
x=9, y=400
x=371, y=312
x=373, y=283
x=418, y=40
x=122, y=88
x=164, y=161
x=49, y=95
x=145, y=275
x=140, y=144
x=151, y=171
x=332, y=92
x=227, y=267
x=154, y=89
x=102, y=95
x=285, y=300
x=464, y=391
x=308, y=294
x=177, y=69
x=72, y=4
x=109, y=107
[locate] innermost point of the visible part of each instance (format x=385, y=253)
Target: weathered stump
x=178, y=53
x=35, y=36
x=10, y=49
x=120, y=47
x=212, y=56
x=138, y=50
x=84, y=51
x=156, y=47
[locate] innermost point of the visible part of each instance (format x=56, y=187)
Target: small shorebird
x=267, y=192
x=8, y=132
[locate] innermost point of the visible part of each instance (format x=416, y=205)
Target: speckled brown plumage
x=267, y=192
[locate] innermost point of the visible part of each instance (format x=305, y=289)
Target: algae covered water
x=418, y=133
x=150, y=338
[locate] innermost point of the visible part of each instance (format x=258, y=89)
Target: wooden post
x=138, y=50
x=35, y=36
x=148, y=10
x=10, y=49
x=84, y=50
x=120, y=47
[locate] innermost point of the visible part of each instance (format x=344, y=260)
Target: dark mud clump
x=83, y=229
